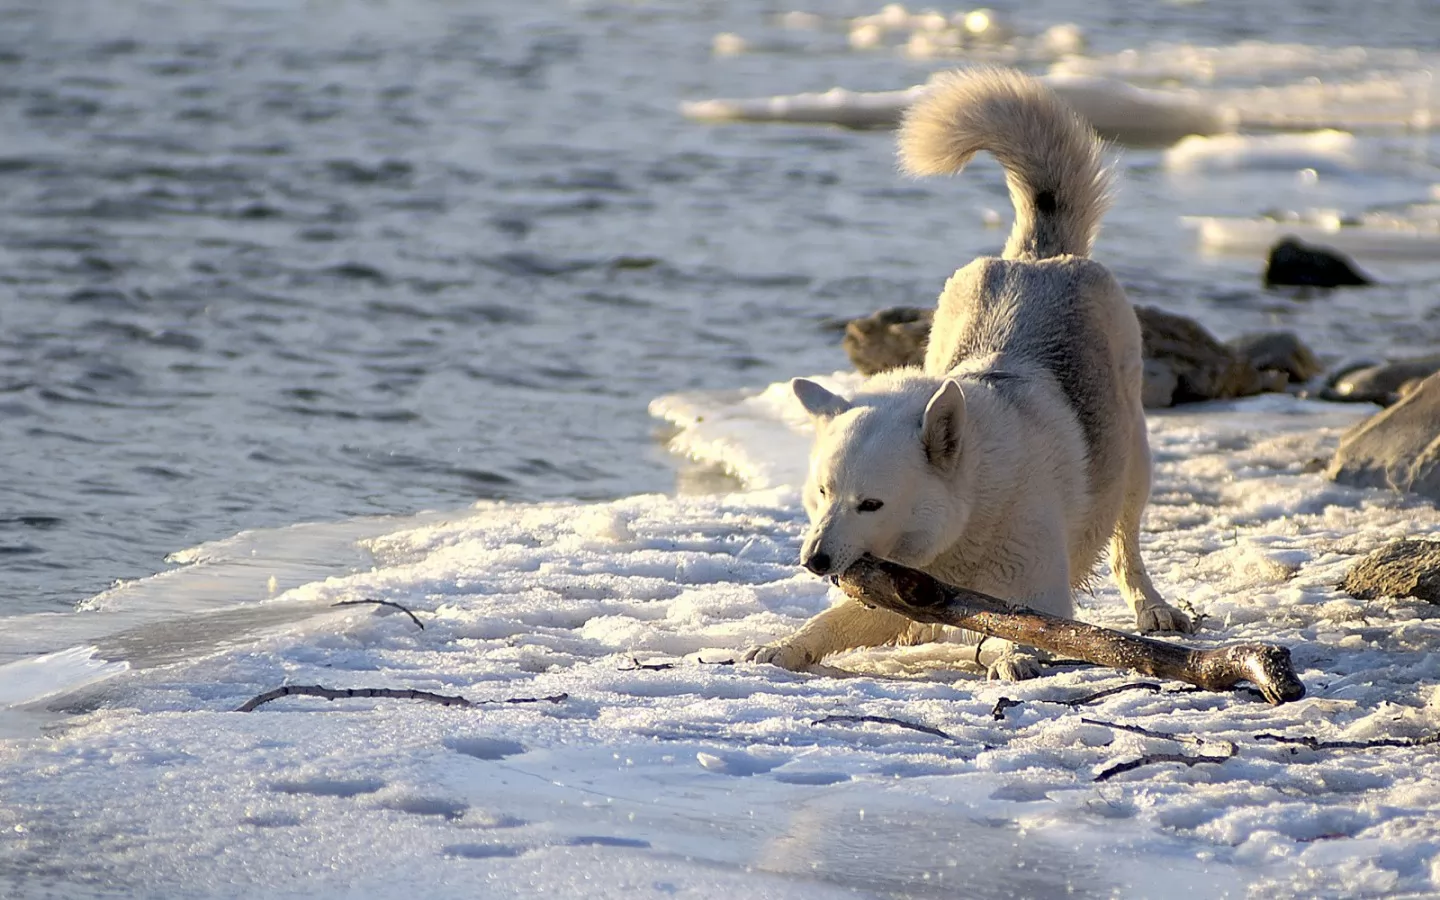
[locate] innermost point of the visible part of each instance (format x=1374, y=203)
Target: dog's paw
x=785, y=655
x=1014, y=667
x=1163, y=618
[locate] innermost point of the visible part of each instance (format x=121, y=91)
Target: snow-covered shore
x=668, y=772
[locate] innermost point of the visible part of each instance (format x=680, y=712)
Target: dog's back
x=1062, y=319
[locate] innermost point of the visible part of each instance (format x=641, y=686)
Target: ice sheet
x=666, y=771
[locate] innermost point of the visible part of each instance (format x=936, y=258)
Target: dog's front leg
x=844, y=626
x=1044, y=587
x=1005, y=660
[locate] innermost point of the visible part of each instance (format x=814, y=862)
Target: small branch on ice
x=885, y=720
x=998, y=711
x=389, y=603
x=637, y=665
x=315, y=690
x=1004, y=703
x=1136, y=729
x=1109, y=692
x=914, y=594
x=1316, y=744
x=1153, y=758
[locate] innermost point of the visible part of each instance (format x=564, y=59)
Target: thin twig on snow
x=316, y=690
x=1004, y=703
x=885, y=720
x=414, y=618
x=1317, y=744
x=1153, y=758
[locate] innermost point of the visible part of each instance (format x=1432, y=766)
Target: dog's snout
x=818, y=562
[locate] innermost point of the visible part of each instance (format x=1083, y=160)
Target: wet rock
x=1381, y=383
x=1399, y=569
x=1204, y=368
x=888, y=339
x=1183, y=362
x=1278, y=351
x=1397, y=448
x=1293, y=262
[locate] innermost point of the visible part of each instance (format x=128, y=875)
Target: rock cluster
x=1381, y=383
x=1183, y=362
x=888, y=339
x=1201, y=366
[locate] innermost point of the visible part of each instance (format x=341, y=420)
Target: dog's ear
x=817, y=401
x=940, y=429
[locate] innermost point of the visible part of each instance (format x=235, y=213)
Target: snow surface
x=669, y=772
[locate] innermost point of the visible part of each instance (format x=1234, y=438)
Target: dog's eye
x=870, y=505
x=822, y=491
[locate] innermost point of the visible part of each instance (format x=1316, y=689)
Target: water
x=263, y=264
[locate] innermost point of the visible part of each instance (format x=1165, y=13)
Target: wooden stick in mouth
x=916, y=595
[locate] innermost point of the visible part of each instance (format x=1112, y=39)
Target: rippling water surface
x=263, y=263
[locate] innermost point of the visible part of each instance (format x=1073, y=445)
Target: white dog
x=1009, y=462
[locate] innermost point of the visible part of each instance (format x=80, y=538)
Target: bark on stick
x=918, y=596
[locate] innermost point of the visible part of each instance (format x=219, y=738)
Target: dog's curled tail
x=1051, y=156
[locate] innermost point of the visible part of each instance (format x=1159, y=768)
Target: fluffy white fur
x=1018, y=453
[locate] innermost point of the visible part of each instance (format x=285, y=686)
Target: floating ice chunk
x=1331, y=87
x=1119, y=111
x=864, y=35
x=799, y=20
x=1245, y=59
x=728, y=44
x=1322, y=151
x=985, y=25
x=1140, y=116
x=851, y=109
x=1065, y=39
x=1374, y=236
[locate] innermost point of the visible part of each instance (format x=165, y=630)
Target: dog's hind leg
x=1152, y=613
x=844, y=626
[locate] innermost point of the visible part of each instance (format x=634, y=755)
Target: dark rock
x=1204, y=368
x=1399, y=569
x=1278, y=351
x=1292, y=262
x=1184, y=363
x=1380, y=383
x=888, y=339
x=1397, y=448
